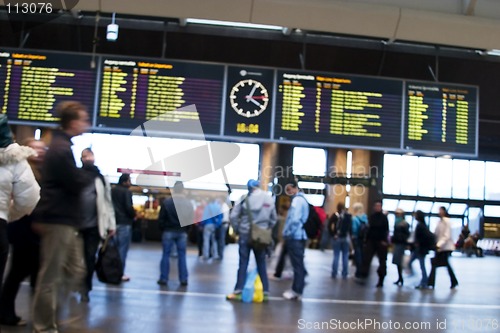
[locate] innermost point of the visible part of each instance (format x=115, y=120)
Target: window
x=457, y=209
x=461, y=179
x=476, y=180
x=390, y=204
x=492, y=189
x=424, y=206
x=491, y=211
x=409, y=173
x=309, y=161
x=444, y=168
x=407, y=205
x=392, y=174
x=426, y=176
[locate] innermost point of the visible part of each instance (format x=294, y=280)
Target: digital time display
x=249, y=95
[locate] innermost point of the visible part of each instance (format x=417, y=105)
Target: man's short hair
x=68, y=111
x=178, y=187
x=124, y=178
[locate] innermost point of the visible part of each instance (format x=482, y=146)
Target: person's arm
x=25, y=192
x=235, y=215
x=62, y=167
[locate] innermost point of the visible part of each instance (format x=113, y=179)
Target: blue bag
x=248, y=289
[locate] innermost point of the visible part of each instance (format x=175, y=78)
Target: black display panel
x=338, y=110
x=249, y=95
x=32, y=83
x=441, y=118
x=133, y=91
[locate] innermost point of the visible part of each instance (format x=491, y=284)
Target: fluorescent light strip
x=494, y=52
x=234, y=24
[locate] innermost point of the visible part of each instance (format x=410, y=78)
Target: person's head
x=74, y=118
x=377, y=206
x=420, y=216
x=292, y=188
x=5, y=132
x=178, y=187
x=443, y=212
x=87, y=157
x=399, y=212
x=340, y=207
x=358, y=209
x=125, y=180
x=38, y=146
x=252, y=184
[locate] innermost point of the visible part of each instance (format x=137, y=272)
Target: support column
x=360, y=168
x=269, y=160
x=337, y=162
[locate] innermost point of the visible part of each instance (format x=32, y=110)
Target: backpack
x=313, y=222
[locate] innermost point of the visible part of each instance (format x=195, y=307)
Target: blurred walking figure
x=175, y=209
x=359, y=229
x=256, y=210
x=400, y=241
x=98, y=216
x=444, y=247
x=295, y=239
x=376, y=244
x=212, y=219
x=340, y=226
x=58, y=218
x=19, y=194
x=124, y=214
x=424, y=242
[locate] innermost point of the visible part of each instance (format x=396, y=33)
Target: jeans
x=168, y=239
x=260, y=258
x=421, y=260
x=340, y=245
x=209, y=241
x=123, y=238
x=221, y=239
x=296, y=249
x=357, y=244
x=61, y=265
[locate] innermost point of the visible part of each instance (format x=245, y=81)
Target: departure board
x=32, y=83
x=336, y=109
x=135, y=91
x=441, y=118
x=249, y=96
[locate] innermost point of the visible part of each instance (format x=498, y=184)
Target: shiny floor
x=142, y=306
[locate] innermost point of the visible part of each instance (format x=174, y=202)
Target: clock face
x=249, y=98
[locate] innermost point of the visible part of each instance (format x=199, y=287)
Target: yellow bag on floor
x=258, y=292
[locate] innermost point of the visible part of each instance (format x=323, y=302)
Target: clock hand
x=254, y=101
x=249, y=97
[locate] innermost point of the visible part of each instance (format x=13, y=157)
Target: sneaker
x=162, y=282
x=236, y=296
x=266, y=298
x=125, y=278
x=184, y=283
x=291, y=295
x=274, y=277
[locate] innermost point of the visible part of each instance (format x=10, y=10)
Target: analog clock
x=249, y=98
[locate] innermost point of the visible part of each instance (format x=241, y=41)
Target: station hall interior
x=359, y=101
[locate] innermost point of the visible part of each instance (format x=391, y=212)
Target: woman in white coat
x=19, y=191
x=444, y=247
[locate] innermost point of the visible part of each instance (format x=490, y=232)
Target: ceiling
x=464, y=23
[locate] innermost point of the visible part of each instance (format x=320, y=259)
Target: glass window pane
x=491, y=211
x=312, y=185
x=409, y=172
x=457, y=209
x=476, y=180
x=444, y=169
x=407, y=205
x=315, y=199
x=392, y=219
x=390, y=204
x=475, y=215
x=433, y=221
x=426, y=176
x=309, y=161
x=392, y=174
x=437, y=205
x=492, y=173
x=424, y=206
x=456, y=228
x=461, y=179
